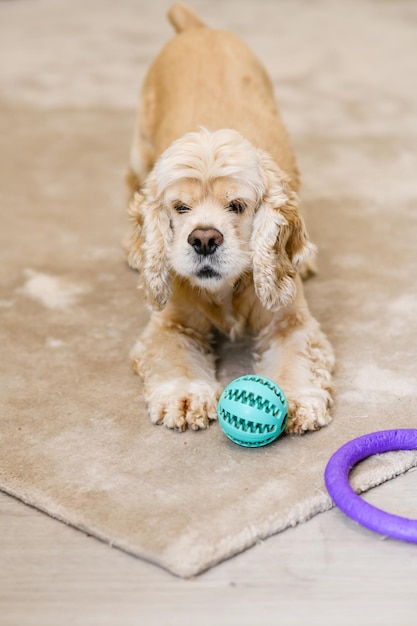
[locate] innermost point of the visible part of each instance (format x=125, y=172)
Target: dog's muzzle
x=205, y=242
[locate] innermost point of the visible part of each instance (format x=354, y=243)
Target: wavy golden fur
x=216, y=232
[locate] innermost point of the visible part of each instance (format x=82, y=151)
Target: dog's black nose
x=205, y=240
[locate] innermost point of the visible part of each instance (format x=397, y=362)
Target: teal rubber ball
x=252, y=411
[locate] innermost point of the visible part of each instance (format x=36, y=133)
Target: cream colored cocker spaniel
x=216, y=232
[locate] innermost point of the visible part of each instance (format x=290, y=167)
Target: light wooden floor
x=328, y=571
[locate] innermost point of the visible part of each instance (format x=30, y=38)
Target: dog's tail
x=183, y=18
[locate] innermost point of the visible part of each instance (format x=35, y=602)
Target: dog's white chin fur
x=213, y=285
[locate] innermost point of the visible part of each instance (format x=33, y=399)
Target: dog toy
x=337, y=482
x=252, y=411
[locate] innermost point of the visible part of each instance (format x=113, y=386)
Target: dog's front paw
x=308, y=411
x=178, y=404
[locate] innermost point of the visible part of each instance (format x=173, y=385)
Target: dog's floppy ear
x=147, y=246
x=279, y=240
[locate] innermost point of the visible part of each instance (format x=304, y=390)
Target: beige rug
x=75, y=441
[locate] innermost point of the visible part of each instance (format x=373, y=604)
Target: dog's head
x=213, y=209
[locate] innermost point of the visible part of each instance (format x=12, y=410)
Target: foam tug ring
x=336, y=477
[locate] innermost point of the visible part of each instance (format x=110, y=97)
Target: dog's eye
x=236, y=206
x=181, y=208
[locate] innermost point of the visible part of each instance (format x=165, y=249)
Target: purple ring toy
x=336, y=477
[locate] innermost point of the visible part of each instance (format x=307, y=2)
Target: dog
x=216, y=233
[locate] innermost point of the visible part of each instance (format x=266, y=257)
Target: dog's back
x=206, y=77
